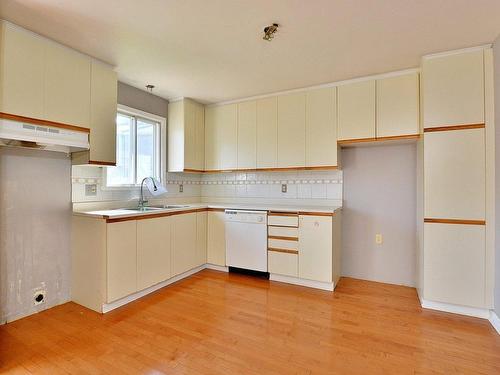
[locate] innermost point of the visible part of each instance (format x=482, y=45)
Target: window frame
x=137, y=113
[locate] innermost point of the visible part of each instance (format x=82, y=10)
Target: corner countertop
x=127, y=213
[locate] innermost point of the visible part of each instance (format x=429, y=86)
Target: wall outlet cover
x=284, y=188
x=181, y=188
x=378, y=239
x=90, y=190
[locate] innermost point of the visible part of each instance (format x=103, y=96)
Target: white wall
x=380, y=197
x=35, y=226
x=496, y=52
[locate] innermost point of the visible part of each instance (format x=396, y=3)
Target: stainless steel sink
x=156, y=208
x=167, y=206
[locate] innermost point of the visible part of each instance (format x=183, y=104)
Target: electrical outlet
x=39, y=296
x=181, y=188
x=90, y=190
x=283, y=188
x=378, y=239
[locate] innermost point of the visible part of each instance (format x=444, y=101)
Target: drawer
x=282, y=263
x=288, y=232
x=283, y=220
x=282, y=244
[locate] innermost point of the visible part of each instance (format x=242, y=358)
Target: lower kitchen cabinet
x=216, y=238
x=282, y=263
x=454, y=264
x=183, y=243
x=121, y=260
x=153, y=251
x=201, y=238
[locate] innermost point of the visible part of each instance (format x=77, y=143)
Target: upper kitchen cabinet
x=291, y=130
x=103, y=105
x=398, y=106
x=321, y=128
x=21, y=72
x=453, y=89
x=267, y=132
x=186, y=136
x=247, y=135
x=221, y=137
x=66, y=86
x=356, y=111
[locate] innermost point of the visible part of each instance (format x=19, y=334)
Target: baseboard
x=132, y=297
x=302, y=282
x=456, y=309
x=495, y=321
x=27, y=312
x=216, y=267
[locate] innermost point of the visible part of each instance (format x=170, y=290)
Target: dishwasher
x=246, y=240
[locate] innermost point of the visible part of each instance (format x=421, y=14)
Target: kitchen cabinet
x=291, y=130
x=453, y=89
x=216, y=238
x=281, y=263
x=247, y=135
x=121, y=260
x=66, y=86
x=201, y=238
x=356, y=110
x=315, y=248
x=321, y=127
x=454, y=264
x=153, y=251
x=21, y=72
x=267, y=132
x=183, y=243
x=103, y=105
x=398, y=106
x=186, y=136
x=454, y=174
x=221, y=137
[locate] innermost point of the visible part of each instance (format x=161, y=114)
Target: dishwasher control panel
x=255, y=217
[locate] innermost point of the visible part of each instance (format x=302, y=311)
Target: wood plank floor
x=218, y=323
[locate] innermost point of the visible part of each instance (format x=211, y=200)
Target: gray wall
x=496, y=51
x=139, y=99
x=380, y=197
x=35, y=226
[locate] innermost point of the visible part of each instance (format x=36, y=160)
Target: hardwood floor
x=217, y=323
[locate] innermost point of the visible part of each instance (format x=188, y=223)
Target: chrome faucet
x=142, y=202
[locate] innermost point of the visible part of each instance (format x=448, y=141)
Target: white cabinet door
x=176, y=136
x=153, y=251
x=453, y=89
x=291, y=130
x=183, y=243
x=21, y=72
x=454, y=264
x=66, y=86
x=321, y=127
x=282, y=263
x=201, y=238
x=356, y=110
x=315, y=248
x=398, y=105
x=247, y=135
x=199, y=119
x=267, y=133
x=454, y=174
x=228, y=134
x=121, y=260
x=189, y=134
x=212, y=139
x=103, y=104
x=216, y=245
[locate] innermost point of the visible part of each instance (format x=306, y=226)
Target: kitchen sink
x=155, y=208
x=167, y=206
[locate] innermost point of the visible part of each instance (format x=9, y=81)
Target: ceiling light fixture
x=150, y=88
x=269, y=32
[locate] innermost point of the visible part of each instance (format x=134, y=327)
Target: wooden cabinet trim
x=309, y=213
x=455, y=221
x=37, y=121
x=285, y=238
x=278, y=213
x=97, y=162
x=216, y=209
x=152, y=216
x=311, y=168
x=378, y=139
x=286, y=251
x=454, y=127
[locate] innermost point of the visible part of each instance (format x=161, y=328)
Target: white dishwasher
x=246, y=239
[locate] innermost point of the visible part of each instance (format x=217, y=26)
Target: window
x=138, y=147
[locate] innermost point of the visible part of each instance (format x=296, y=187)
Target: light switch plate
x=283, y=188
x=90, y=190
x=378, y=239
x=181, y=188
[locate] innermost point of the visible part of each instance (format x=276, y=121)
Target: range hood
x=42, y=137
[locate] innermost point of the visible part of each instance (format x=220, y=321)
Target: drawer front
x=282, y=244
x=282, y=263
x=287, y=232
x=283, y=220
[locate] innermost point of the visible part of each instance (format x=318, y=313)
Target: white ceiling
x=212, y=50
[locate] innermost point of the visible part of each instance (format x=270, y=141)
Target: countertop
x=125, y=213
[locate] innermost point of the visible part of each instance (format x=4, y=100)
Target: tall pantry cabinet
x=457, y=165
